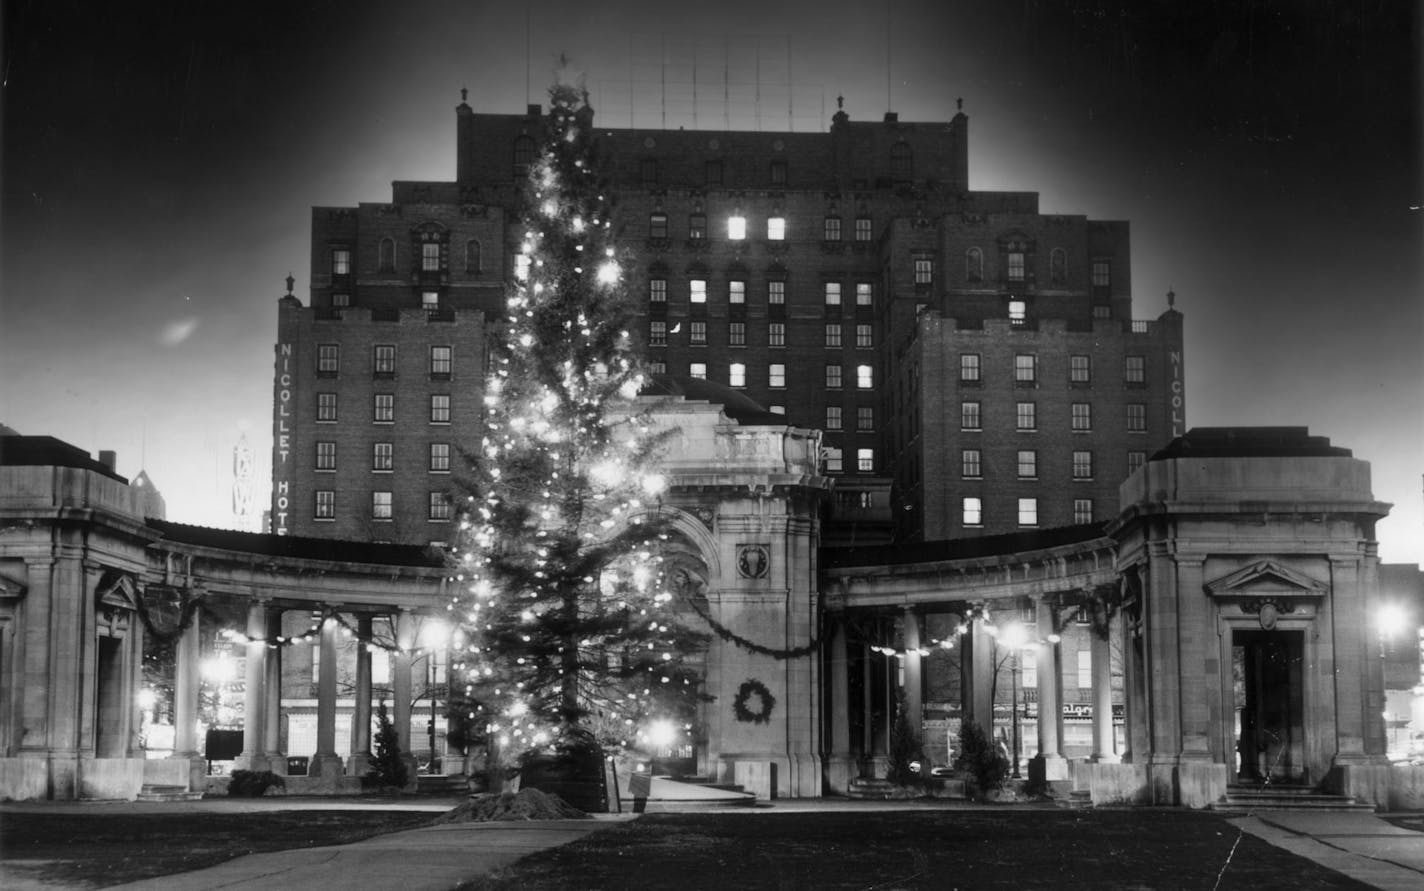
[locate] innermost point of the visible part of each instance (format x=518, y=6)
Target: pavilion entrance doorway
x=1267, y=670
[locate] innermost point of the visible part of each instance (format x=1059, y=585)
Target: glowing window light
x=736, y=227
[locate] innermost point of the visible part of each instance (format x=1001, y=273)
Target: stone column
x=360, y=760
x=839, y=765
x=254, y=700
x=1049, y=763
x=914, y=672
x=272, y=718
x=326, y=763
x=981, y=678
x=400, y=685
x=1104, y=746
x=186, y=690
x=867, y=707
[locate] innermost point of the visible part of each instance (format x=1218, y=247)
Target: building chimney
x=109, y=459
x=892, y=117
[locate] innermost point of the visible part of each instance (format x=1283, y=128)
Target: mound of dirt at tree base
x=526, y=804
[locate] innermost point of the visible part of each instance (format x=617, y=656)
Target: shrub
x=984, y=766
x=253, y=783
x=387, y=767
x=905, y=746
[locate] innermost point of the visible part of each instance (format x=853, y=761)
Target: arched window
x=1058, y=265
x=902, y=161
x=974, y=265
x=472, y=255
x=386, y=255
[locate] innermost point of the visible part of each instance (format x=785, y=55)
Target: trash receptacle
x=297, y=766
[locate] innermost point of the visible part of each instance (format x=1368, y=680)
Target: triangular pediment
x=1265, y=577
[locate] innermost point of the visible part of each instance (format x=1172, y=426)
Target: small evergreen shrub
x=253, y=783
x=985, y=768
x=905, y=748
x=387, y=768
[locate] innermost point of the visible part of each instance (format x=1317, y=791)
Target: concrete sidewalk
x=1360, y=845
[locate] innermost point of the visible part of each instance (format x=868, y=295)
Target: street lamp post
x=1014, y=676
x=1015, y=637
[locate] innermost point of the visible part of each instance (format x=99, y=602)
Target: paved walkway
x=1360, y=845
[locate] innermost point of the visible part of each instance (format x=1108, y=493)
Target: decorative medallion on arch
x=1268, y=590
x=753, y=561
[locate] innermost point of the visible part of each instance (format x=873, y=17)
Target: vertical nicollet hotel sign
x=282, y=440
x=1179, y=411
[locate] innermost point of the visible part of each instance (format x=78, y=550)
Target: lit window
x=1018, y=312
x=697, y=333
x=697, y=290
x=430, y=300
x=439, y=507
x=697, y=226
x=473, y=261
x=1082, y=465
x=697, y=370
x=1058, y=265
x=972, y=512
x=326, y=407
x=736, y=228
x=657, y=225
x=865, y=418
x=864, y=294
x=969, y=367
x=521, y=267
x=865, y=460
x=657, y=290
x=1135, y=460
x=328, y=359
x=833, y=417
x=430, y=256
x=1025, y=368
x=385, y=408
x=833, y=336
x=380, y=505
x=339, y=303
x=326, y=456
x=384, y=360
x=776, y=293
x=1028, y=464
x=833, y=293
x=864, y=377
x=1085, y=669
x=974, y=265
x=737, y=375
x=737, y=334
x=736, y=291
x=776, y=375
x=383, y=456
x=1082, y=417
x=969, y=416
x=864, y=337
x=776, y=334
x=1016, y=266
x=440, y=408
x=1028, y=659
x=1028, y=511
x=1082, y=510
x=1080, y=369
x=832, y=230
x=325, y=504
x=340, y=261
x=1102, y=273
x=834, y=462
x=1134, y=369
x=833, y=377
x=657, y=366
x=1026, y=416
x=1136, y=417
x=924, y=267
x=862, y=228
x=776, y=409
x=440, y=457
x=970, y=463
x=657, y=333
x=776, y=228
x=442, y=361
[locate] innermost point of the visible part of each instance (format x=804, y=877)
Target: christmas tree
x=387, y=767
x=563, y=579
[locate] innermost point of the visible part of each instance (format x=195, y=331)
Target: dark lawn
x=1128, y=849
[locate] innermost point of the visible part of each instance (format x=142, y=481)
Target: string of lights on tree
x=558, y=577
x=313, y=633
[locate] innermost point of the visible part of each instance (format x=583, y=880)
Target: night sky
x=160, y=163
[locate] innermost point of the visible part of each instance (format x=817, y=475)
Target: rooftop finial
x=959, y=103
x=1171, y=298
x=840, y=103
x=290, y=282
x=464, y=94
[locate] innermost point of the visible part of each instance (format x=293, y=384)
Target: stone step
x=1285, y=797
x=871, y=789
x=441, y=784
x=153, y=792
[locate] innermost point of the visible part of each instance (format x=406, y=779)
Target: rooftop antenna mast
x=889, y=79
x=527, y=59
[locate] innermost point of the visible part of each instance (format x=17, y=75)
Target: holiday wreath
x=749, y=688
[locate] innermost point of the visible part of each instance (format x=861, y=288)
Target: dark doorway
x=1267, y=672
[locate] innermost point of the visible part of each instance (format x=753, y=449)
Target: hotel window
x=923, y=266
x=776, y=409
x=648, y=172
x=865, y=418
x=657, y=366
x=439, y=507
x=440, y=457
x=776, y=228
x=737, y=375
x=776, y=293
x=523, y=153
x=1028, y=464
x=657, y=290
x=864, y=294
x=440, y=408
x=430, y=256
x=1026, y=416
x=326, y=456
x=657, y=333
x=1082, y=510
x=386, y=255
x=778, y=173
x=737, y=334
x=1085, y=669
x=697, y=370
x=864, y=337
x=864, y=377
x=1135, y=460
x=1082, y=417
x=521, y=267
x=832, y=229
x=865, y=460
x=1029, y=660
x=657, y=225
x=697, y=290
x=833, y=293
x=833, y=336
x=430, y=301
x=1102, y=273
x=1016, y=266
x=776, y=334
x=473, y=256
x=1025, y=368
x=736, y=291
x=776, y=375
x=969, y=367
x=834, y=462
x=697, y=333
x=328, y=360
x=442, y=360
x=380, y=505
x=1018, y=312
x=902, y=160
x=833, y=377
x=1058, y=265
x=1134, y=370
x=340, y=261
x=969, y=416
x=383, y=457
x=736, y=227
x=712, y=173
x=326, y=408
x=325, y=504
x=1102, y=311
x=1080, y=369
x=833, y=417
x=385, y=408
x=863, y=227
x=697, y=226
x=970, y=464
x=1082, y=465
x=339, y=304
x=971, y=512
x=1028, y=511
x=974, y=265
x=1136, y=417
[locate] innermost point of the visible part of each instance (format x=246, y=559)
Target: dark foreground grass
x=1100, y=850
x=98, y=850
